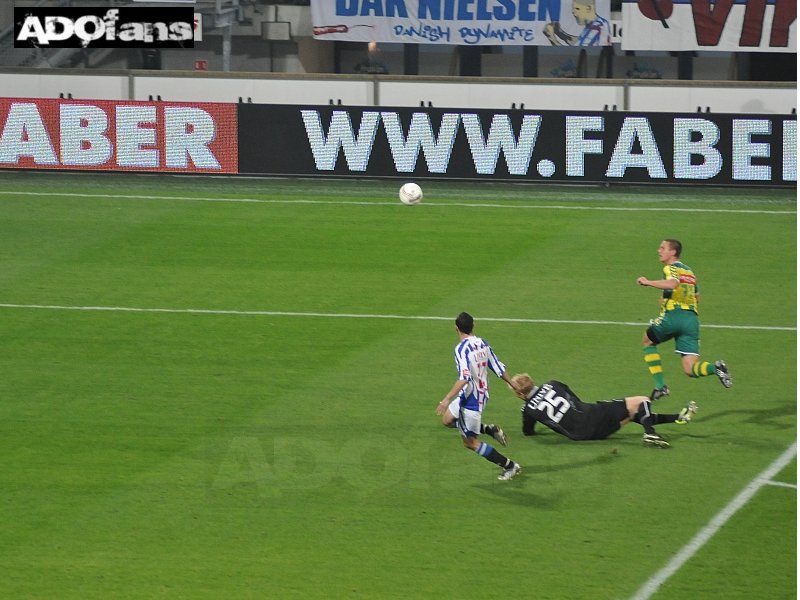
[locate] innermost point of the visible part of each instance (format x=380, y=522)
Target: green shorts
x=681, y=325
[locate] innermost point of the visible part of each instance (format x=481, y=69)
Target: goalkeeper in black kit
x=556, y=406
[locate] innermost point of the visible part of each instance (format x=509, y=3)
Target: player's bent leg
x=694, y=367
x=647, y=419
x=688, y=361
x=510, y=468
x=687, y=344
x=470, y=425
x=471, y=442
x=632, y=403
x=450, y=416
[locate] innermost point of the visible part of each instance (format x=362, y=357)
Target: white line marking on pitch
x=278, y=313
x=427, y=204
x=781, y=484
x=722, y=517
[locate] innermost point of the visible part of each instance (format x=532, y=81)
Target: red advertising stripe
x=174, y=137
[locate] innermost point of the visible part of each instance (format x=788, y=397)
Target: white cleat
x=687, y=414
x=510, y=472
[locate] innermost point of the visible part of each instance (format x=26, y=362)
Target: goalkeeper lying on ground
x=556, y=406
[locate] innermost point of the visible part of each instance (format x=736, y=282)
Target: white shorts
x=453, y=407
x=469, y=421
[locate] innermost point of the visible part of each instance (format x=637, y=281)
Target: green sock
x=702, y=369
x=653, y=360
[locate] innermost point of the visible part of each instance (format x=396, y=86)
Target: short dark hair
x=465, y=322
x=675, y=245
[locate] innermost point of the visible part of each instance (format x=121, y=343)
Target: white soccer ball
x=410, y=193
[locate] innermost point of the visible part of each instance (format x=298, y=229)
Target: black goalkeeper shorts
x=600, y=420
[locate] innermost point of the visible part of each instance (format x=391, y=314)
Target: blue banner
x=465, y=22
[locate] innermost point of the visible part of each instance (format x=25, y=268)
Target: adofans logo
x=104, y=28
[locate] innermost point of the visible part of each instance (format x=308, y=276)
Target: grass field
x=220, y=388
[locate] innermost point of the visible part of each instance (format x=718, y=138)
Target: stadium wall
x=407, y=91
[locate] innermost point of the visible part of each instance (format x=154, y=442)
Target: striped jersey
x=474, y=359
x=596, y=33
x=685, y=295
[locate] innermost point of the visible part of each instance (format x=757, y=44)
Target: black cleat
x=654, y=440
x=659, y=393
x=497, y=433
x=721, y=371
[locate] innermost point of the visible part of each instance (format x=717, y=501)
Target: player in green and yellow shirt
x=678, y=320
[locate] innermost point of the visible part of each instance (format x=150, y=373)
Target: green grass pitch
x=225, y=388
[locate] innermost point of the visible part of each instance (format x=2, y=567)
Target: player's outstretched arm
x=511, y=383
x=528, y=424
x=661, y=284
x=448, y=398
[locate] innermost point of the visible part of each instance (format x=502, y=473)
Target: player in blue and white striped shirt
x=463, y=404
x=596, y=29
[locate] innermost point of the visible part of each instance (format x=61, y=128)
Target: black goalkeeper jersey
x=555, y=405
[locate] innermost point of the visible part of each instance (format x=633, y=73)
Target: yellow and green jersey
x=685, y=295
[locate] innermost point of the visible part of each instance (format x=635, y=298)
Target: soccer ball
x=410, y=193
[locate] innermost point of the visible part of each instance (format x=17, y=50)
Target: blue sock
x=484, y=449
x=492, y=455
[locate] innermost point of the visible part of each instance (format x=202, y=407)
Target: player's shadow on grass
x=519, y=490
x=762, y=418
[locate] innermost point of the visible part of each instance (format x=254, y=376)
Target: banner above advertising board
x=724, y=25
x=464, y=22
